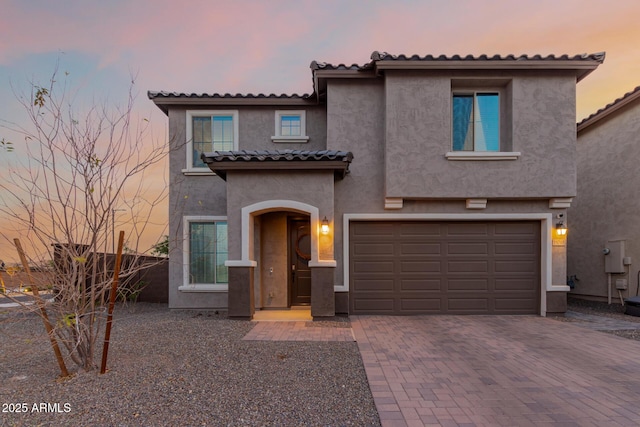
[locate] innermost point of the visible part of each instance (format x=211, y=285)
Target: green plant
x=131, y=292
x=162, y=247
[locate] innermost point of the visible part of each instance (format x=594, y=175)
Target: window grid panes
x=290, y=125
x=208, y=251
x=476, y=122
x=211, y=133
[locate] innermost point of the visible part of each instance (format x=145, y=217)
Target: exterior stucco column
x=557, y=300
x=241, y=297
x=323, y=302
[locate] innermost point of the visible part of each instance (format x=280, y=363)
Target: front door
x=299, y=256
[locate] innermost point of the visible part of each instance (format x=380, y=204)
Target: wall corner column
x=241, y=304
x=323, y=302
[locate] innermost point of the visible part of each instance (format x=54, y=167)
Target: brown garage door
x=413, y=267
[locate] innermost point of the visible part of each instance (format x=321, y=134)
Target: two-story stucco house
x=408, y=185
x=607, y=210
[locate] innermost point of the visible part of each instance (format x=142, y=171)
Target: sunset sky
x=267, y=46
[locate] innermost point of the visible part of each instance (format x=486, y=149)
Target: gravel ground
x=169, y=368
x=614, y=311
x=191, y=368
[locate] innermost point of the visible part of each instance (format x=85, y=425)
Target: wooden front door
x=299, y=256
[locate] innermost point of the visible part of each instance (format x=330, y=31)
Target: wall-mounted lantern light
x=561, y=229
x=324, y=227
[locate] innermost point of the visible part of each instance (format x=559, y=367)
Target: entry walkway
x=278, y=327
x=498, y=371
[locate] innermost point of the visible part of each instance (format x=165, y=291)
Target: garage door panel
x=416, y=229
x=421, y=305
x=513, y=304
x=468, y=248
x=445, y=267
x=420, y=285
x=468, y=284
x=515, y=266
x=515, y=284
x=373, y=285
x=385, y=249
x=467, y=266
x=374, y=305
x=373, y=267
x=517, y=229
x=420, y=266
x=467, y=229
x=420, y=248
x=467, y=304
x=364, y=229
x=515, y=248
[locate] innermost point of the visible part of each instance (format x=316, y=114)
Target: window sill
x=290, y=139
x=197, y=172
x=482, y=155
x=204, y=288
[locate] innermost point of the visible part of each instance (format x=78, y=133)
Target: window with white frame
x=476, y=121
x=205, y=251
x=209, y=131
x=290, y=126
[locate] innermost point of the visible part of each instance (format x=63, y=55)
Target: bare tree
x=79, y=171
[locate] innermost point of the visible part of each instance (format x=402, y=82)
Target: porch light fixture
x=324, y=228
x=561, y=229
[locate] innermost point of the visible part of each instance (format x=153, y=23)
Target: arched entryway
x=281, y=247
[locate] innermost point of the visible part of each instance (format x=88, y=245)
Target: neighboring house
x=606, y=212
x=407, y=185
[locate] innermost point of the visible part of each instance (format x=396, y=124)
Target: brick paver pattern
x=297, y=331
x=498, y=371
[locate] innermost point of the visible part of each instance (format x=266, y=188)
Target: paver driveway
x=498, y=371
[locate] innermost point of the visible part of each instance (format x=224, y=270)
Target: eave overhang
x=582, y=64
x=221, y=162
x=166, y=99
x=581, y=69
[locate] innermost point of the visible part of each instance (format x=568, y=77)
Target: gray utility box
x=614, y=261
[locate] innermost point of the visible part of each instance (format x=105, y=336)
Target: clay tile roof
x=384, y=56
x=277, y=155
x=162, y=94
x=164, y=99
x=222, y=161
x=378, y=56
x=610, y=108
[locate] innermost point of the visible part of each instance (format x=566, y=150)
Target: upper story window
x=290, y=127
x=476, y=121
x=481, y=119
x=209, y=131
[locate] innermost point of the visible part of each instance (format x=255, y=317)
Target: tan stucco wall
x=247, y=188
x=418, y=135
x=608, y=204
x=257, y=126
x=189, y=195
